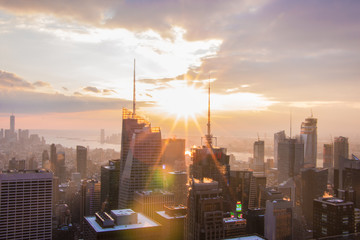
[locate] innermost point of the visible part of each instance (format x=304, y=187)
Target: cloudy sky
x=69, y=64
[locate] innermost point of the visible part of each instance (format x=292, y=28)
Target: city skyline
x=62, y=66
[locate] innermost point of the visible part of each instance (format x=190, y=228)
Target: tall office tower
x=308, y=135
x=257, y=186
x=328, y=156
x=341, y=150
x=290, y=158
x=278, y=220
x=102, y=136
x=60, y=169
x=12, y=123
x=124, y=224
x=149, y=202
x=211, y=162
x=45, y=160
x=81, y=160
x=142, y=168
x=53, y=158
x=173, y=156
x=172, y=218
x=278, y=137
x=333, y=216
x=347, y=180
x=205, y=211
x=259, y=153
x=240, y=188
x=90, y=198
x=175, y=182
x=110, y=185
x=313, y=185
x=25, y=205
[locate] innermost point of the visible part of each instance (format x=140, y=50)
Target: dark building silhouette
x=149, y=202
x=53, y=158
x=259, y=154
x=290, y=158
x=110, y=175
x=172, y=219
x=333, y=216
x=240, y=187
x=328, y=152
x=341, y=152
x=205, y=211
x=278, y=220
x=81, y=160
x=313, y=185
x=255, y=221
x=176, y=183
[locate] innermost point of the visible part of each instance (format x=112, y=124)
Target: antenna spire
x=134, y=100
x=209, y=136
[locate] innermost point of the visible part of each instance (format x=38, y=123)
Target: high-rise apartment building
x=259, y=154
x=26, y=205
x=308, y=135
x=110, y=175
x=278, y=220
x=81, y=160
x=278, y=137
x=332, y=217
x=142, y=167
x=205, y=211
x=290, y=158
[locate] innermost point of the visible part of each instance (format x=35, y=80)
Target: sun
x=182, y=100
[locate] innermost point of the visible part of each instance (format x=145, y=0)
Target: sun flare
x=182, y=100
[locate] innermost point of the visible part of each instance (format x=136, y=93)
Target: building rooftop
x=333, y=201
x=230, y=220
x=143, y=222
x=248, y=237
x=167, y=216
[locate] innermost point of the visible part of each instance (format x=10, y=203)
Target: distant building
x=257, y=186
x=12, y=123
x=240, y=187
x=122, y=224
x=259, y=154
x=45, y=160
x=308, y=135
x=149, y=202
x=290, y=158
x=173, y=156
x=81, y=160
x=53, y=158
x=172, y=220
x=102, y=136
x=90, y=198
x=60, y=168
x=278, y=220
x=341, y=150
x=110, y=177
x=313, y=185
x=328, y=156
x=26, y=205
x=205, y=211
x=278, y=137
x=333, y=216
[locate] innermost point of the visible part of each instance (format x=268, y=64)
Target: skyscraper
x=259, y=153
x=53, y=158
x=26, y=205
x=12, y=124
x=81, y=160
x=290, y=158
x=309, y=137
x=205, y=212
x=211, y=162
x=142, y=167
x=328, y=156
x=278, y=137
x=173, y=156
x=110, y=184
x=341, y=150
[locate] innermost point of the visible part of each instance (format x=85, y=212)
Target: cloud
x=11, y=80
x=91, y=89
x=108, y=91
x=41, y=84
x=65, y=88
x=34, y=102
